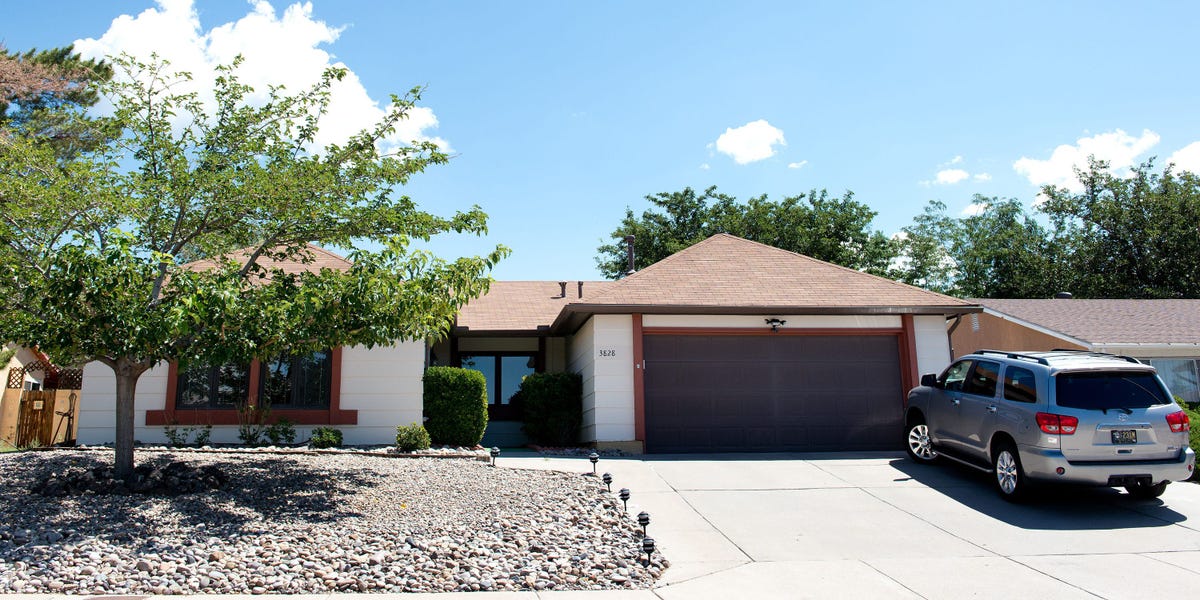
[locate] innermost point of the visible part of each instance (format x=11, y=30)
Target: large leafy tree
x=1135, y=236
x=93, y=243
x=43, y=94
x=834, y=229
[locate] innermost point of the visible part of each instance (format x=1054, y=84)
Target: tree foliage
x=43, y=94
x=834, y=229
x=93, y=244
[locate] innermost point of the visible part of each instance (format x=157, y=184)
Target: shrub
x=552, y=404
x=281, y=432
x=203, y=435
x=252, y=422
x=325, y=437
x=412, y=437
x=1193, y=414
x=177, y=436
x=455, y=405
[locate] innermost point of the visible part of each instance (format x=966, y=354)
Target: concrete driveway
x=877, y=525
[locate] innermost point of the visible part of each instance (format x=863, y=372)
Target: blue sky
x=562, y=114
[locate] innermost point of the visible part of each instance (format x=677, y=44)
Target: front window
x=982, y=381
x=504, y=373
x=300, y=381
x=955, y=375
x=213, y=387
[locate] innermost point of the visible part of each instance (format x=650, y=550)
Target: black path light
x=607, y=479
x=595, y=458
x=624, y=496
x=495, y=452
x=643, y=520
x=648, y=547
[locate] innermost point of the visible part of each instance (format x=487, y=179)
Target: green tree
x=43, y=94
x=925, y=251
x=92, y=244
x=1129, y=237
x=834, y=229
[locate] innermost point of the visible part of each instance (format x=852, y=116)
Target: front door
x=504, y=372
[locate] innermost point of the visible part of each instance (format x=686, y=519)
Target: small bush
x=1193, y=414
x=552, y=404
x=325, y=437
x=203, y=435
x=413, y=437
x=177, y=437
x=455, y=405
x=252, y=422
x=281, y=432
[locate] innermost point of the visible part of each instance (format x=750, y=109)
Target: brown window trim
x=334, y=415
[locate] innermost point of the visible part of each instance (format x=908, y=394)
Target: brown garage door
x=732, y=393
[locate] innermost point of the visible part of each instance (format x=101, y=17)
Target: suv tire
x=1009, y=478
x=1147, y=492
x=917, y=443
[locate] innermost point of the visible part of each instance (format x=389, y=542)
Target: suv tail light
x=1179, y=422
x=1057, y=424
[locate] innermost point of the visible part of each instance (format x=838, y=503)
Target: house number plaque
x=607, y=353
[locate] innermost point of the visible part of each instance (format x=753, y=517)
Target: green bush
x=325, y=437
x=552, y=404
x=281, y=432
x=1193, y=414
x=413, y=437
x=455, y=405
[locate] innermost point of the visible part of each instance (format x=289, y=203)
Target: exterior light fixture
x=595, y=458
x=624, y=496
x=775, y=323
x=648, y=548
x=495, y=452
x=643, y=520
x=607, y=479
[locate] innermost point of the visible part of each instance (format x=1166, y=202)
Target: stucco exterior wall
x=933, y=345
x=383, y=384
x=981, y=330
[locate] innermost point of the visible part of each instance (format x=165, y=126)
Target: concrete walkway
x=879, y=526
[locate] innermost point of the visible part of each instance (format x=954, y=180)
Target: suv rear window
x=1103, y=391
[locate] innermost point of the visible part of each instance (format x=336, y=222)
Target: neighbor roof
x=1102, y=322
x=313, y=259
x=726, y=272
x=521, y=306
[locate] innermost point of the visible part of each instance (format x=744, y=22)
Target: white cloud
x=797, y=165
x=751, y=142
x=1120, y=149
x=1187, y=158
x=982, y=177
x=704, y=166
x=277, y=50
x=954, y=161
x=974, y=209
x=950, y=176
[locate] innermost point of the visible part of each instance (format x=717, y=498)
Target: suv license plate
x=1124, y=436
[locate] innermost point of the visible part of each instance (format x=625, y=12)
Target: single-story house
x=727, y=345
x=1163, y=333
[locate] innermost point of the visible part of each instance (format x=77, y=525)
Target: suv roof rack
x=1015, y=355
x=1094, y=353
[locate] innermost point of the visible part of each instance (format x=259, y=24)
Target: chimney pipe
x=629, y=254
x=562, y=289
x=580, y=289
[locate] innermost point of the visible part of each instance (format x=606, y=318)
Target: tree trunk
x=127, y=376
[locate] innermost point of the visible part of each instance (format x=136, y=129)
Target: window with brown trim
x=299, y=382
x=213, y=387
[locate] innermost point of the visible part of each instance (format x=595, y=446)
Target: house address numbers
x=607, y=353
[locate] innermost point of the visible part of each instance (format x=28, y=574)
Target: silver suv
x=1061, y=416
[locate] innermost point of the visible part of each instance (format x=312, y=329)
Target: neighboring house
x=727, y=345
x=1164, y=333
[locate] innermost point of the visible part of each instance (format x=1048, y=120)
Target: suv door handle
x=992, y=408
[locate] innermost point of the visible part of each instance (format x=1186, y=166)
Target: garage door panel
x=764, y=393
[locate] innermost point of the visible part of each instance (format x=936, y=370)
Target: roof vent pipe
x=629, y=254
x=1063, y=296
x=563, y=289
x=580, y=289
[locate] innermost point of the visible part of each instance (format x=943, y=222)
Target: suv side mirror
x=929, y=380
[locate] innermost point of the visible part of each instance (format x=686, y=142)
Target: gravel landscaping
x=316, y=523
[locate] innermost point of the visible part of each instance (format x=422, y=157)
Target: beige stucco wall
x=933, y=345
x=602, y=352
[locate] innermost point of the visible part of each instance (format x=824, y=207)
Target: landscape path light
x=624, y=496
x=648, y=548
x=607, y=479
x=644, y=520
x=595, y=458
x=495, y=452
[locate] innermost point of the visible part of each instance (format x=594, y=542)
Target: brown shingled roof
x=513, y=306
x=320, y=259
x=1109, y=321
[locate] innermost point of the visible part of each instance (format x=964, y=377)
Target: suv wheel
x=1147, y=492
x=1010, y=477
x=919, y=446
